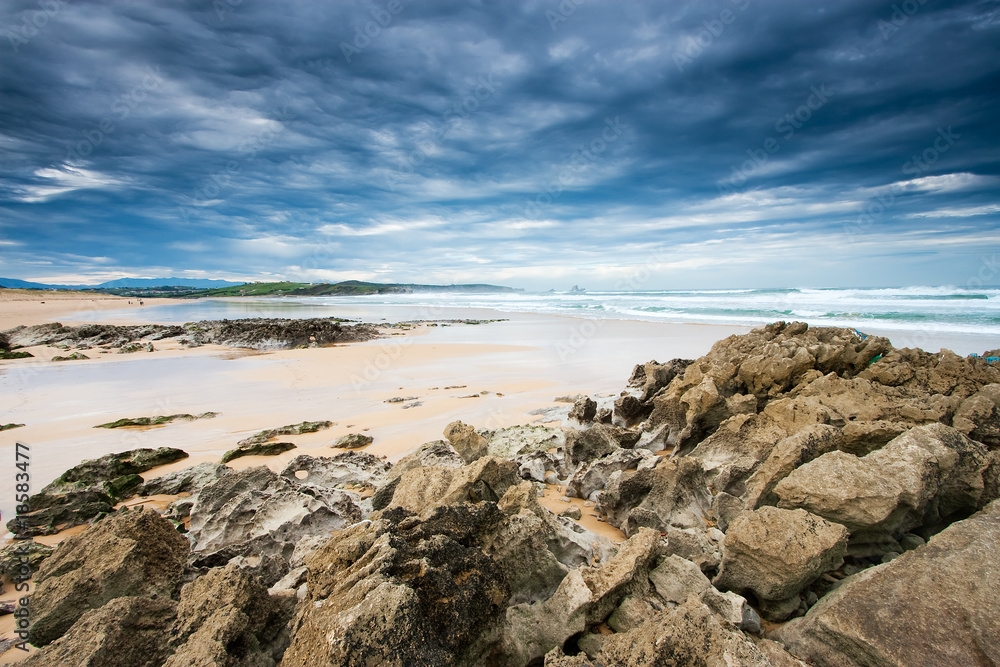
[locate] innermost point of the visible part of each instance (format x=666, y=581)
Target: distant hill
x=122, y=283
x=348, y=287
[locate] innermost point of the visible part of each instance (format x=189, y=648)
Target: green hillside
x=348, y=287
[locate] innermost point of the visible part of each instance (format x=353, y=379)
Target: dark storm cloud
x=502, y=141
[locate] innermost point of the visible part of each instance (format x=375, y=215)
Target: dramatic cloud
x=537, y=144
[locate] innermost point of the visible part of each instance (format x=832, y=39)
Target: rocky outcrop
x=291, y=429
x=156, y=421
x=584, y=410
x=226, y=618
x=131, y=553
x=22, y=558
x=469, y=444
x=258, y=449
x=254, y=512
x=675, y=493
x=273, y=334
x=787, y=455
x=926, y=476
x=514, y=440
x=421, y=592
x=594, y=477
x=935, y=605
x=424, y=488
x=595, y=442
x=353, y=441
x=89, y=490
x=189, y=480
x=347, y=469
x=775, y=553
x=129, y=631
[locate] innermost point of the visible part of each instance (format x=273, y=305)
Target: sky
x=616, y=145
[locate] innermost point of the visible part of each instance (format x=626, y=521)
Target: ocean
x=916, y=312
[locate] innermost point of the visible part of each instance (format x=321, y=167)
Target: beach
x=432, y=387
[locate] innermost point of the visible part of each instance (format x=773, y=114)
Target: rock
x=508, y=442
x=594, y=476
x=572, y=512
x=556, y=658
x=227, y=619
x=353, y=441
x=22, y=558
x=291, y=429
x=277, y=334
x=254, y=512
x=864, y=437
x=765, y=364
x=427, y=487
x=695, y=546
x=584, y=410
x=676, y=578
x=651, y=377
x=726, y=508
x=775, y=553
x=924, y=476
x=594, y=443
x=921, y=609
x=437, y=453
x=76, y=356
x=539, y=465
x=258, y=449
x=466, y=441
x=732, y=608
x=629, y=410
x=128, y=631
x=979, y=416
x=675, y=493
x=787, y=455
x=347, y=468
x=585, y=597
x=188, y=480
x=129, y=553
x=156, y=421
x=688, y=635
x=420, y=592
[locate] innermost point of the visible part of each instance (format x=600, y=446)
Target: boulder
x=347, y=468
x=128, y=631
x=651, y=377
x=676, y=578
x=254, y=512
x=538, y=466
x=691, y=634
x=225, y=618
x=290, y=429
x=586, y=596
x=979, y=416
x=584, y=410
x=675, y=493
x=417, y=591
x=420, y=489
x=628, y=410
x=508, y=442
x=435, y=453
x=924, y=476
x=864, y=437
x=353, y=441
x=22, y=558
x=775, y=553
x=89, y=490
x=787, y=455
x=188, y=480
x=129, y=553
x=466, y=441
x=595, y=442
x=935, y=605
x=258, y=449
x=594, y=476
x=694, y=545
